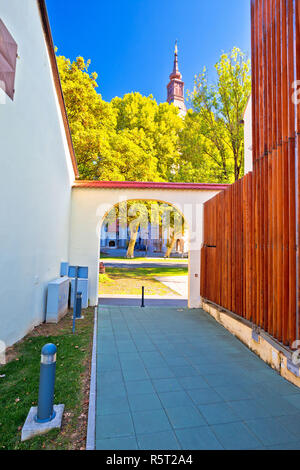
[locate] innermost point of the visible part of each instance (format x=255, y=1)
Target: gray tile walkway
x=173, y=378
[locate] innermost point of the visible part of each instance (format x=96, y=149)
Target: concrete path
x=172, y=378
x=134, y=301
x=178, y=284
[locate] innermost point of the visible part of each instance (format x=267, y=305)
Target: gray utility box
x=57, y=300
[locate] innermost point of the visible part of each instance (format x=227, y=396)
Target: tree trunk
x=171, y=246
x=133, y=235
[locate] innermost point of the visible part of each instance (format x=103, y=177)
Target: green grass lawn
x=147, y=273
x=124, y=281
x=19, y=380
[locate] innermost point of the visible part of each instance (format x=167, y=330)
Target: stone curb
x=91, y=427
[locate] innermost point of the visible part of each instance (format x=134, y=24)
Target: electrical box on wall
x=57, y=300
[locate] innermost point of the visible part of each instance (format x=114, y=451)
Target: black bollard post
x=143, y=297
x=78, y=305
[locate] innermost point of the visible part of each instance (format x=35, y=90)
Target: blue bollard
x=78, y=305
x=45, y=412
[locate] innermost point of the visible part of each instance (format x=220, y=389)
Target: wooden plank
x=254, y=224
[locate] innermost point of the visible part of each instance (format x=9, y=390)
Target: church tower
x=176, y=87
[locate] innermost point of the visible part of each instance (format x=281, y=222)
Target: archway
x=144, y=243
x=92, y=199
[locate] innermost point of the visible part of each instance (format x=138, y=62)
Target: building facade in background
x=152, y=240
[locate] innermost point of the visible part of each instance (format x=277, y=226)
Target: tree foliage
x=218, y=119
x=130, y=138
x=133, y=138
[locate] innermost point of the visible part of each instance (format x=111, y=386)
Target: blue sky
x=131, y=42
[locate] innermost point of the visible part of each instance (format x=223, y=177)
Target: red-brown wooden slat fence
x=250, y=260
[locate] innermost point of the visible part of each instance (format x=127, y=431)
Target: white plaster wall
x=248, y=137
x=36, y=178
x=89, y=206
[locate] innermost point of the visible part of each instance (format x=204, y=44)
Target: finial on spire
x=175, y=67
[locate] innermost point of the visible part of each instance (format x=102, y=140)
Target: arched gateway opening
x=92, y=200
x=144, y=244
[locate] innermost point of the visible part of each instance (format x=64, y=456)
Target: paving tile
x=277, y=384
x=270, y=431
x=185, y=417
x=107, y=390
x=152, y=363
x=119, y=443
x=125, y=346
x=175, y=399
x=204, y=396
x=165, y=440
x=110, y=376
x=235, y=436
x=222, y=379
x=277, y=406
x=290, y=446
x=249, y=409
x=142, y=346
x=291, y=423
x=234, y=392
x=107, y=357
x=172, y=360
x=129, y=357
x=148, y=422
x=201, y=438
x=137, y=387
x=191, y=383
x=204, y=365
x=168, y=349
x=218, y=413
x=135, y=374
x=108, y=405
x=132, y=365
x=145, y=402
x=151, y=356
x=115, y=425
x=160, y=372
x=106, y=348
x=184, y=371
x=108, y=364
x=294, y=400
x=167, y=385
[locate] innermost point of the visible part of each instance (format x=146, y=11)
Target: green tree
x=131, y=138
x=200, y=162
x=155, y=129
x=215, y=128
x=92, y=120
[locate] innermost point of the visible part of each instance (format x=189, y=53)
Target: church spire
x=175, y=68
x=176, y=86
x=176, y=73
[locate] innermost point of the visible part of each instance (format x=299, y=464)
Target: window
x=8, y=59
